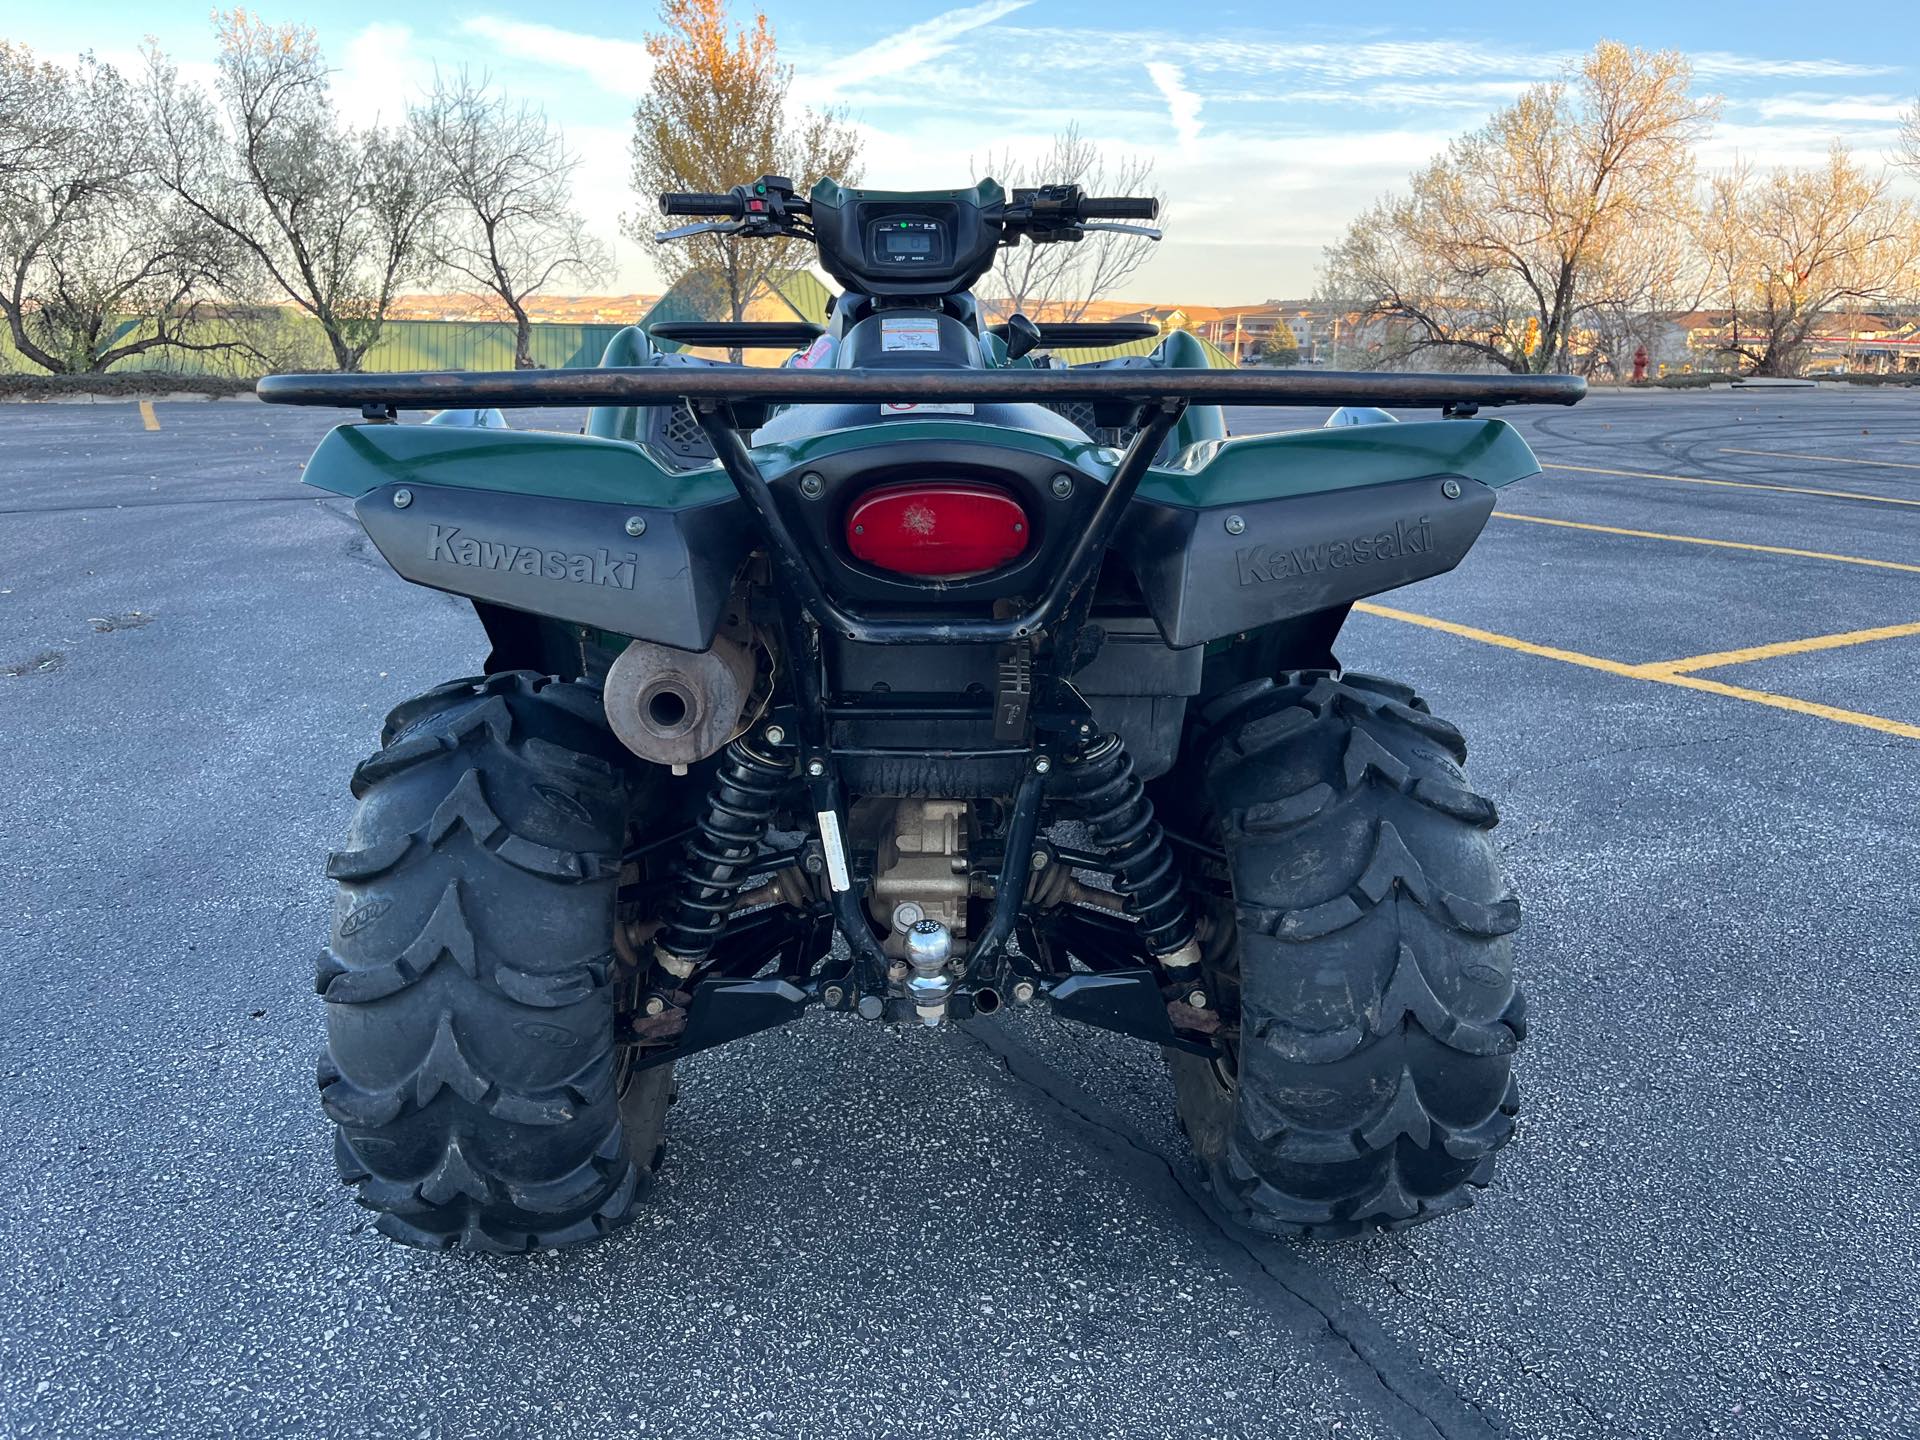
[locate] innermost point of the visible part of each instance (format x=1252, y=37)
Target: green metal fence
x=488, y=345
x=473, y=345
x=404, y=345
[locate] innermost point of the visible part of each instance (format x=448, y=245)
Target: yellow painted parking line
x=1737, y=484
x=147, y=417
x=1793, y=703
x=1780, y=647
x=1653, y=674
x=1505, y=642
x=1824, y=459
x=1703, y=540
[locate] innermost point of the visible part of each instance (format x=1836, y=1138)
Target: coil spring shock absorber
x=720, y=854
x=1115, y=807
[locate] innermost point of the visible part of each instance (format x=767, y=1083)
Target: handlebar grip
x=1119, y=207
x=682, y=203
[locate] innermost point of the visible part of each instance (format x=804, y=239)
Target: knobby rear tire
x=471, y=1069
x=1361, y=926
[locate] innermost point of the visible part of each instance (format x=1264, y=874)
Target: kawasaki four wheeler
x=914, y=677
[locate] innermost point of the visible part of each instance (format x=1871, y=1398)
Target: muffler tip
x=674, y=707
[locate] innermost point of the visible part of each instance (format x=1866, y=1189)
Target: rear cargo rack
x=745, y=393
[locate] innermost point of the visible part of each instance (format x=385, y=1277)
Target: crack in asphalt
x=1397, y=1374
x=1571, y=1393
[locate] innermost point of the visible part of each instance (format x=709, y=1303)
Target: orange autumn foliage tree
x=715, y=114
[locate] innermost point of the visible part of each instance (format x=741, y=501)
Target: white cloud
x=132, y=65
x=1183, y=106
x=912, y=47
x=1252, y=54
x=603, y=195
x=1883, y=108
x=380, y=75
x=622, y=67
x=1401, y=95
x=1797, y=146
x=1713, y=64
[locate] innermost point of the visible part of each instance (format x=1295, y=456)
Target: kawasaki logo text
x=445, y=542
x=1278, y=562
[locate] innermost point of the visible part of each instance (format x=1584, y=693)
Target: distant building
x=1871, y=343
x=997, y=310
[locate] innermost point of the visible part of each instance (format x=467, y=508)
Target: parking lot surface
x=1685, y=657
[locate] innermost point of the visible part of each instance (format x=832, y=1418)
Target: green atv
x=916, y=676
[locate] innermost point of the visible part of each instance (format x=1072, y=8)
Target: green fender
x=1228, y=536
x=354, y=459
x=1306, y=462
x=629, y=346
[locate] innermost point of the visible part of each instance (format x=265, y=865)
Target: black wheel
x=1359, y=926
x=471, y=1070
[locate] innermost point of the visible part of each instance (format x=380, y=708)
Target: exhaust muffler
x=674, y=707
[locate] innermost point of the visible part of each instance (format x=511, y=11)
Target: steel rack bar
x=723, y=386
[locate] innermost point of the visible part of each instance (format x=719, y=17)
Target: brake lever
x=761, y=227
x=705, y=227
x=1145, y=230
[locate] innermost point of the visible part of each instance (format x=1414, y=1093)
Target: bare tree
x=95, y=264
x=334, y=219
x=36, y=117
x=1406, y=297
x=1644, y=282
x=716, y=115
x=1906, y=150
x=1789, y=249
x=1062, y=280
x=509, y=226
x=1494, y=251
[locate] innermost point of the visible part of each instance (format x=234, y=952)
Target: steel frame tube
x=661, y=385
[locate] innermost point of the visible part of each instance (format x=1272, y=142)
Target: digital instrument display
x=901, y=241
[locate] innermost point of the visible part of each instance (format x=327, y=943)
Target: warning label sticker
x=927, y=407
x=910, y=332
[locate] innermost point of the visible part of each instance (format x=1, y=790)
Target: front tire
x=1360, y=926
x=471, y=1069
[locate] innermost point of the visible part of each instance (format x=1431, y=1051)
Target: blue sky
x=1269, y=125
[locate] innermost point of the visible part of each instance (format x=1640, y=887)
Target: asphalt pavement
x=1706, y=1226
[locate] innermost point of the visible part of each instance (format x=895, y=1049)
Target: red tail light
x=937, y=530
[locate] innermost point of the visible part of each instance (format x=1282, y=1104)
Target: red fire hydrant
x=1640, y=365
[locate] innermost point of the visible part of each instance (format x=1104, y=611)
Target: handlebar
x=1119, y=207
x=684, y=203
x=733, y=206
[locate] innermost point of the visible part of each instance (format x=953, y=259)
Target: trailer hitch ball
x=674, y=707
x=930, y=986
